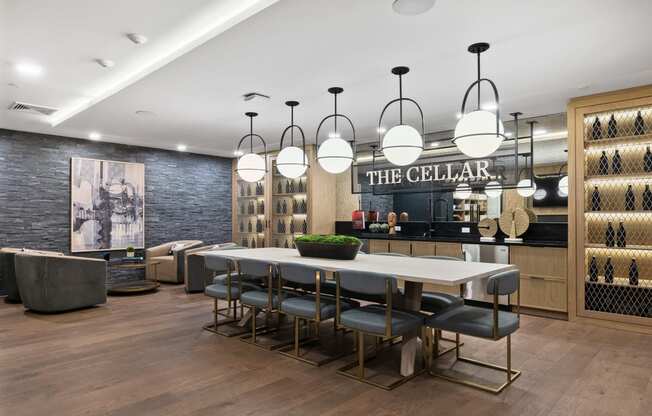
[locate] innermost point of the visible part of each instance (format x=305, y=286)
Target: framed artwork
x=107, y=205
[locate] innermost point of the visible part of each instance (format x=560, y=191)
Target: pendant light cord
x=292, y=124
x=335, y=118
x=400, y=96
x=478, y=54
x=251, y=132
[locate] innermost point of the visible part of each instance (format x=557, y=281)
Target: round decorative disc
x=518, y=218
x=487, y=227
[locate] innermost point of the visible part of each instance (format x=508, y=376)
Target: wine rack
x=617, y=209
x=250, y=220
x=290, y=208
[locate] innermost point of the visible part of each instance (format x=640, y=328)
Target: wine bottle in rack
x=617, y=163
x=249, y=228
x=621, y=236
x=241, y=227
x=279, y=188
x=610, y=235
x=300, y=186
x=244, y=242
x=603, y=165
x=647, y=160
x=633, y=273
x=304, y=227
x=630, y=199
x=248, y=190
x=292, y=186
x=596, y=130
x=647, y=198
x=285, y=207
x=287, y=186
x=295, y=206
x=286, y=244
x=596, y=201
x=242, y=209
x=279, y=227
x=639, y=124
x=261, y=208
x=609, y=271
x=612, y=127
x=593, y=270
x=253, y=243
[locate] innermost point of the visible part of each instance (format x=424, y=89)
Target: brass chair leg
x=297, y=322
x=262, y=330
x=510, y=373
x=360, y=336
x=214, y=326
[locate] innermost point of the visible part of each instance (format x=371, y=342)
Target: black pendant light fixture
x=402, y=144
x=335, y=154
x=251, y=166
x=527, y=187
x=479, y=133
x=292, y=161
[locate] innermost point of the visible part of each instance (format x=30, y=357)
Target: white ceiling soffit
x=213, y=20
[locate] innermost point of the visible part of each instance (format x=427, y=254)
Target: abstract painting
x=107, y=205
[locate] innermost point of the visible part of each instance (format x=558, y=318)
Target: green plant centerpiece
x=340, y=247
x=131, y=251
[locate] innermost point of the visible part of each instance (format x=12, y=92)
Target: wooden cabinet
x=544, y=275
x=401, y=247
x=423, y=248
x=449, y=249
x=378, y=246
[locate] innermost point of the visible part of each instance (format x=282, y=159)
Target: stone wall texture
x=187, y=196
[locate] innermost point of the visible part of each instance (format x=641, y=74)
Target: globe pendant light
x=493, y=189
x=251, y=167
x=480, y=132
x=292, y=161
x=462, y=191
x=563, y=186
x=335, y=155
x=402, y=144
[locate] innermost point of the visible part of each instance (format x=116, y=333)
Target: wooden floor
x=147, y=355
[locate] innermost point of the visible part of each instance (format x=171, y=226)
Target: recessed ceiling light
x=381, y=130
x=137, y=38
x=105, y=63
x=412, y=7
x=434, y=144
x=182, y=147
x=28, y=69
x=12, y=85
x=145, y=113
x=94, y=135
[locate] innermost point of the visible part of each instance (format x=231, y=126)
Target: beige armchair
x=170, y=260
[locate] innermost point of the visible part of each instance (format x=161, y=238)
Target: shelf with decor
x=248, y=215
x=612, y=155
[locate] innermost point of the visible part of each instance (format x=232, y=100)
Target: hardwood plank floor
x=147, y=355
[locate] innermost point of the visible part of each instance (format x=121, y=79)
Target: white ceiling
x=543, y=53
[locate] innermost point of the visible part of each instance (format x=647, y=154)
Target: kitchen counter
x=458, y=239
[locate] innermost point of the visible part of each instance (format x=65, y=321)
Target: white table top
x=442, y=272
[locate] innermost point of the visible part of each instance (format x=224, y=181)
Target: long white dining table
x=414, y=271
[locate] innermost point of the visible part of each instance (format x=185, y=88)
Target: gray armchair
x=196, y=275
x=60, y=283
x=8, y=269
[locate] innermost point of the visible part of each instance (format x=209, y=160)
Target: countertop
x=458, y=239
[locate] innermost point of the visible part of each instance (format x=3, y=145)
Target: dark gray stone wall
x=187, y=196
x=382, y=203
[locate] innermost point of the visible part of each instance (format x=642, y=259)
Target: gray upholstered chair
x=225, y=287
x=60, y=283
x=265, y=299
x=311, y=306
x=196, y=275
x=381, y=321
x=8, y=270
x=474, y=321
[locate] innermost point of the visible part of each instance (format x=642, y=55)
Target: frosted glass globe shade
x=475, y=134
x=251, y=167
x=291, y=162
x=493, y=189
x=540, y=194
x=402, y=145
x=462, y=191
x=526, y=188
x=335, y=155
x=563, y=186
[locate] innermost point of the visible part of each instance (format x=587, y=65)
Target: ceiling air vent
x=251, y=95
x=31, y=108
